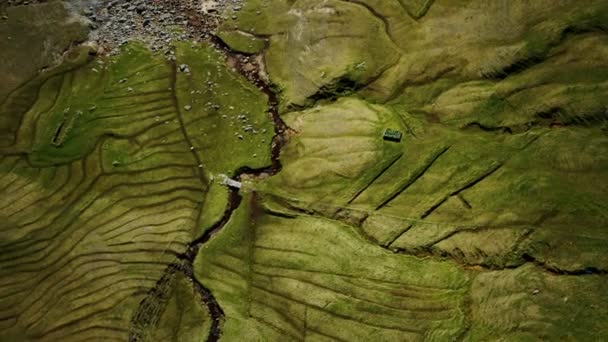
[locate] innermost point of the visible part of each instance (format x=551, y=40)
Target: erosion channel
x=150, y=308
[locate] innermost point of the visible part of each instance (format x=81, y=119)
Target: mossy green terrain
x=31, y=38
x=105, y=183
x=441, y=187
x=299, y=36
x=243, y=42
x=399, y=44
x=527, y=304
x=501, y=164
x=294, y=277
x=221, y=108
x=484, y=221
x=183, y=317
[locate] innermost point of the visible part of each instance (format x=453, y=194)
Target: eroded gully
x=150, y=308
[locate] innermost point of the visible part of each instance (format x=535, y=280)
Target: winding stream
x=149, y=310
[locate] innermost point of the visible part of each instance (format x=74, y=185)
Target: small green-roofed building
x=392, y=135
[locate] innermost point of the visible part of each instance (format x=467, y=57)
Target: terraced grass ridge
x=404, y=170
x=105, y=184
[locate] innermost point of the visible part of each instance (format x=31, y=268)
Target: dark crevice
x=434, y=207
x=377, y=176
x=156, y=298
x=514, y=68
x=234, y=200
x=549, y=114
x=350, y=217
x=477, y=125
x=392, y=240
x=215, y=310
x=341, y=87
x=153, y=304
x=538, y=56
x=288, y=205
x=464, y=201
x=588, y=270
x=476, y=181
x=414, y=178
x=458, y=257
x=561, y=117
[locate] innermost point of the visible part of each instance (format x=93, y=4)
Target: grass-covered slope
x=570, y=87
x=225, y=117
x=313, y=47
x=32, y=38
x=527, y=304
x=314, y=50
x=285, y=275
x=176, y=313
x=481, y=197
x=485, y=221
x=106, y=183
x=503, y=110
x=293, y=277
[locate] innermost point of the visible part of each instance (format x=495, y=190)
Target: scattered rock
x=184, y=68
x=156, y=23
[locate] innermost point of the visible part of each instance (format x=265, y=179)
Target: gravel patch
x=157, y=23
